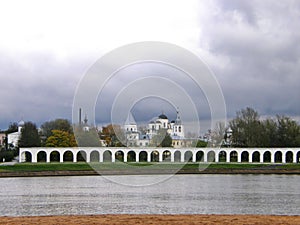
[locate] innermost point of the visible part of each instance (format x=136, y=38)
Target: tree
x=218, y=134
x=13, y=127
x=167, y=141
x=29, y=136
x=288, y=132
x=246, y=128
x=87, y=138
x=113, y=135
x=58, y=124
x=201, y=144
x=61, y=139
x=161, y=138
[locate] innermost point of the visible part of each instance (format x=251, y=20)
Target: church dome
x=163, y=116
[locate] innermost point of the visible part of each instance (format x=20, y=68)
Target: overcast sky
x=46, y=47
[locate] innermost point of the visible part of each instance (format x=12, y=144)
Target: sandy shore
x=154, y=219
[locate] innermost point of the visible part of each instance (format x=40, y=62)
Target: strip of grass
x=82, y=166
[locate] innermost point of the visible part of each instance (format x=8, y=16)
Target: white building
x=13, y=138
x=174, y=128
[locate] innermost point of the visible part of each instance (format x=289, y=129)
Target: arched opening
x=42, y=156
x=177, y=156
x=200, y=156
x=95, y=156
x=68, y=156
x=119, y=156
x=245, y=156
x=222, y=156
x=188, y=156
x=256, y=156
x=27, y=156
x=233, y=156
x=211, y=156
x=167, y=156
x=154, y=156
x=131, y=156
x=81, y=156
x=298, y=157
x=107, y=156
x=278, y=157
x=267, y=156
x=289, y=157
x=54, y=156
x=143, y=156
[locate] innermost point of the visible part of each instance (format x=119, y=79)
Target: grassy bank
x=81, y=166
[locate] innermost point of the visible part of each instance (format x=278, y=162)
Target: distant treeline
x=248, y=130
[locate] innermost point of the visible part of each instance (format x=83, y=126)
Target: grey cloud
x=263, y=56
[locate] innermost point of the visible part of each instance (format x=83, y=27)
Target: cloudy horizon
x=46, y=48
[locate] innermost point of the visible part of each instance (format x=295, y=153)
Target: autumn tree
x=57, y=124
x=61, y=138
x=113, y=135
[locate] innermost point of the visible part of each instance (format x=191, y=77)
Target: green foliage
x=161, y=139
x=13, y=127
x=201, y=144
x=58, y=124
x=167, y=141
x=29, y=136
x=7, y=155
x=61, y=139
x=250, y=131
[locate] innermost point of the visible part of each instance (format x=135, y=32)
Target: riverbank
x=154, y=219
x=84, y=169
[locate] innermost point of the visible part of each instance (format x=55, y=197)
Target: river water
x=181, y=194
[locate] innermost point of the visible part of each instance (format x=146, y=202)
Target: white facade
x=136, y=138
x=251, y=155
x=13, y=138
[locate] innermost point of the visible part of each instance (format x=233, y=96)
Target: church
x=13, y=138
x=174, y=128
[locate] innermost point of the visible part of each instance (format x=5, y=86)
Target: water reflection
x=212, y=194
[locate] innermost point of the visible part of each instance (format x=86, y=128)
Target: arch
x=200, y=156
x=27, y=156
x=289, y=157
x=177, y=156
x=233, y=156
x=167, y=156
x=188, y=156
x=278, y=157
x=81, y=156
x=68, y=156
x=154, y=156
x=298, y=157
x=95, y=156
x=256, y=156
x=245, y=156
x=211, y=156
x=119, y=155
x=42, y=156
x=267, y=156
x=143, y=156
x=107, y=156
x=131, y=156
x=222, y=156
x=55, y=156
